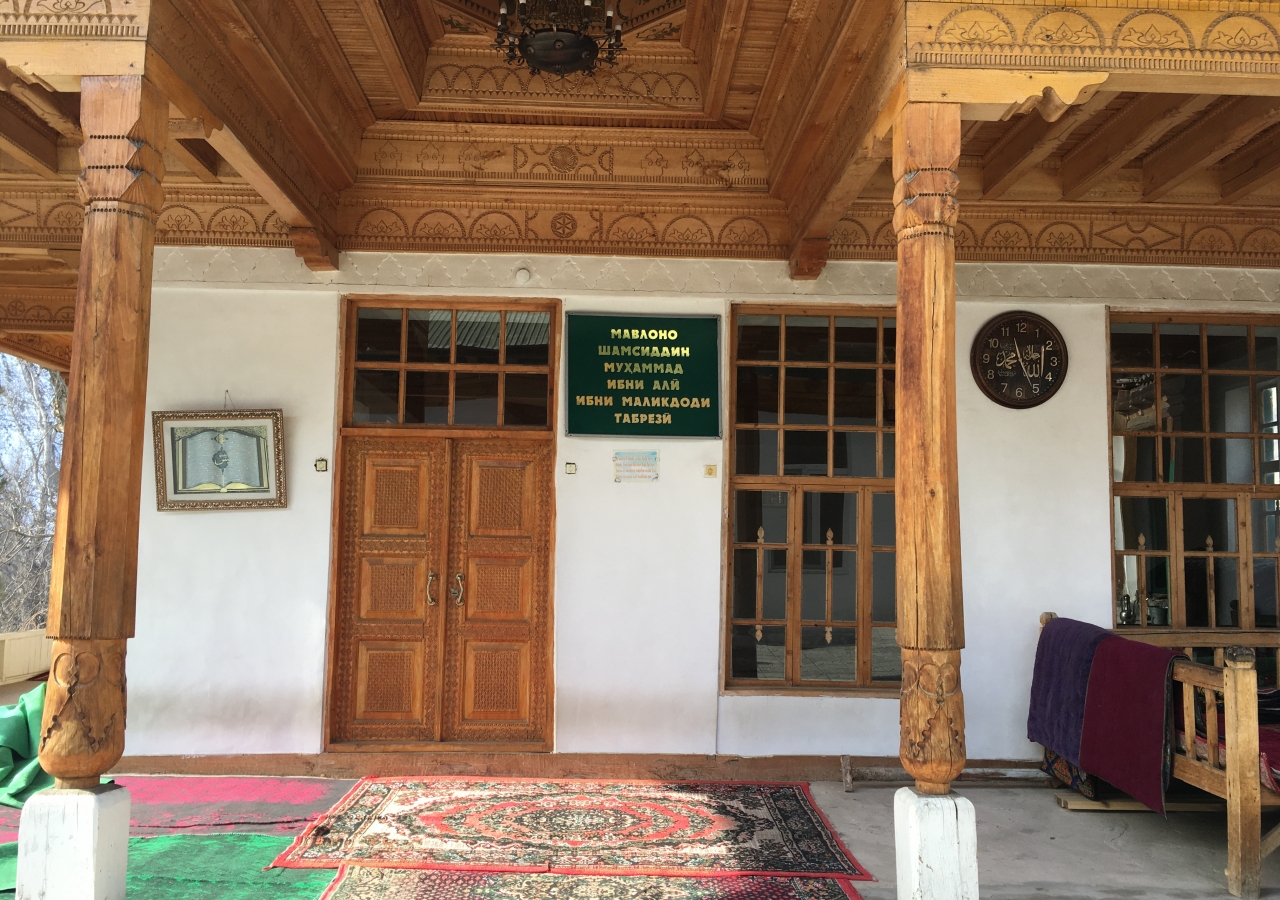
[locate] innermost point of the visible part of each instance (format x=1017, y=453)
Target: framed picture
x=219, y=459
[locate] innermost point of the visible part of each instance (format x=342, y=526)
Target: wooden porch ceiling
x=733, y=128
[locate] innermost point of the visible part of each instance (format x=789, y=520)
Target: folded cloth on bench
x=1125, y=739
x=1060, y=684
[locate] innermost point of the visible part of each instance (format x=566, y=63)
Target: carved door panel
x=497, y=639
x=392, y=556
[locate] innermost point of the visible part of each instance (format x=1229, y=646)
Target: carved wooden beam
x=33, y=144
x=716, y=61
x=1217, y=135
x=1132, y=131
x=397, y=31
x=57, y=111
x=1030, y=142
x=53, y=351
x=926, y=158
x=198, y=156
x=95, y=558
x=1252, y=167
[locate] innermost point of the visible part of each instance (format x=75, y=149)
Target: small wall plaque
x=633, y=466
x=219, y=459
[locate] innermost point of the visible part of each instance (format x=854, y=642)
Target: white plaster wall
x=229, y=653
x=231, y=606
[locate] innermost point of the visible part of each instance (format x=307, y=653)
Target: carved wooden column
x=926, y=154
x=91, y=596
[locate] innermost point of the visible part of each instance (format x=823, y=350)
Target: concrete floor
x=1030, y=849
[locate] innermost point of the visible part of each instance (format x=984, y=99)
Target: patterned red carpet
x=569, y=827
x=361, y=883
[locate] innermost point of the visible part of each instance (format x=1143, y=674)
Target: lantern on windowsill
x=559, y=36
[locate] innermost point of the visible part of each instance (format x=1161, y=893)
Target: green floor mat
x=207, y=866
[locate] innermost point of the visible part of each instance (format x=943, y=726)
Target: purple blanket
x=1060, y=685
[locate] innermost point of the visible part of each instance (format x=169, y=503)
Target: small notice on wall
x=631, y=466
x=644, y=375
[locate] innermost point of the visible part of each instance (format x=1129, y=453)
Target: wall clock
x=1019, y=359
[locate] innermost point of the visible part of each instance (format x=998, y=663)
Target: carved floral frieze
x=94, y=19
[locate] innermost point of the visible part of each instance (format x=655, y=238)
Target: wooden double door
x=442, y=626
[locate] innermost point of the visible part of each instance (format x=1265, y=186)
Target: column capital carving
x=82, y=731
x=932, y=748
x=122, y=157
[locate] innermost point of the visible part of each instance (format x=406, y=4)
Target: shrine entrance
x=444, y=510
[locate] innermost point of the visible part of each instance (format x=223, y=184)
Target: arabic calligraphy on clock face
x=1019, y=359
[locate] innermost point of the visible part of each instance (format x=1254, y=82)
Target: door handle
x=456, y=593
x=431, y=601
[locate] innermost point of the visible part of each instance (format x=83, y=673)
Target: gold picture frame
x=219, y=459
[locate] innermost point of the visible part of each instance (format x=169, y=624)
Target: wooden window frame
x=1177, y=633
x=796, y=486
x=353, y=303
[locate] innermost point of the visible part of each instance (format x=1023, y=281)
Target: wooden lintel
x=1131, y=131
x=1030, y=142
x=1251, y=168
x=198, y=156
x=1216, y=136
x=53, y=350
x=35, y=146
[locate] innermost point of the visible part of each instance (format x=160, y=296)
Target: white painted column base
x=74, y=845
x=937, y=846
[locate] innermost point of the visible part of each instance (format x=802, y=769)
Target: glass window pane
x=1266, y=348
x=758, y=337
x=1264, y=592
x=1264, y=392
x=1266, y=666
x=1231, y=460
x=828, y=654
x=855, y=397
x=1269, y=461
x=477, y=338
x=1228, y=346
x=378, y=335
x=1266, y=525
x=884, y=586
x=756, y=452
x=430, y=336
x=524, y=399
x=844, y=586
x=376, y=397
x=1133, y=458
x=775, y=584
x=833, y=516
x=808, y=339
x=1229, y=403
x=804, y=453
x=1182, y=403
x=1133, y=402
x=758, y=652
x=855, y=340
x=888, y=399
x=813, y=585
x=1179, y=346
x=884, y=523
x=475, y=398
x=806, y=396
x=426, y=398
x=1195, y=585
x=744, y=584
x=1183, y=460
x=528, y=338
x=1141, y=523
x=888, y=460
x=1209, y=523
x=1131, y=345
x=1226, y=593
x=886, y=658
x=1157, y=596
x=855, y=454
x=1128, y=598
x=889, y=347
x=754, y=510
x=757, y=395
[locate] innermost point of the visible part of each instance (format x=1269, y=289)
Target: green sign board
x=643, y=375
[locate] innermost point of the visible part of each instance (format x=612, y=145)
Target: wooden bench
x=1233, y=775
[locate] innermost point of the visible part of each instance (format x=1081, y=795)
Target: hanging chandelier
x=559, y=36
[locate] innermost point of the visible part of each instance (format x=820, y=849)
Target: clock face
x=1019, y=359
